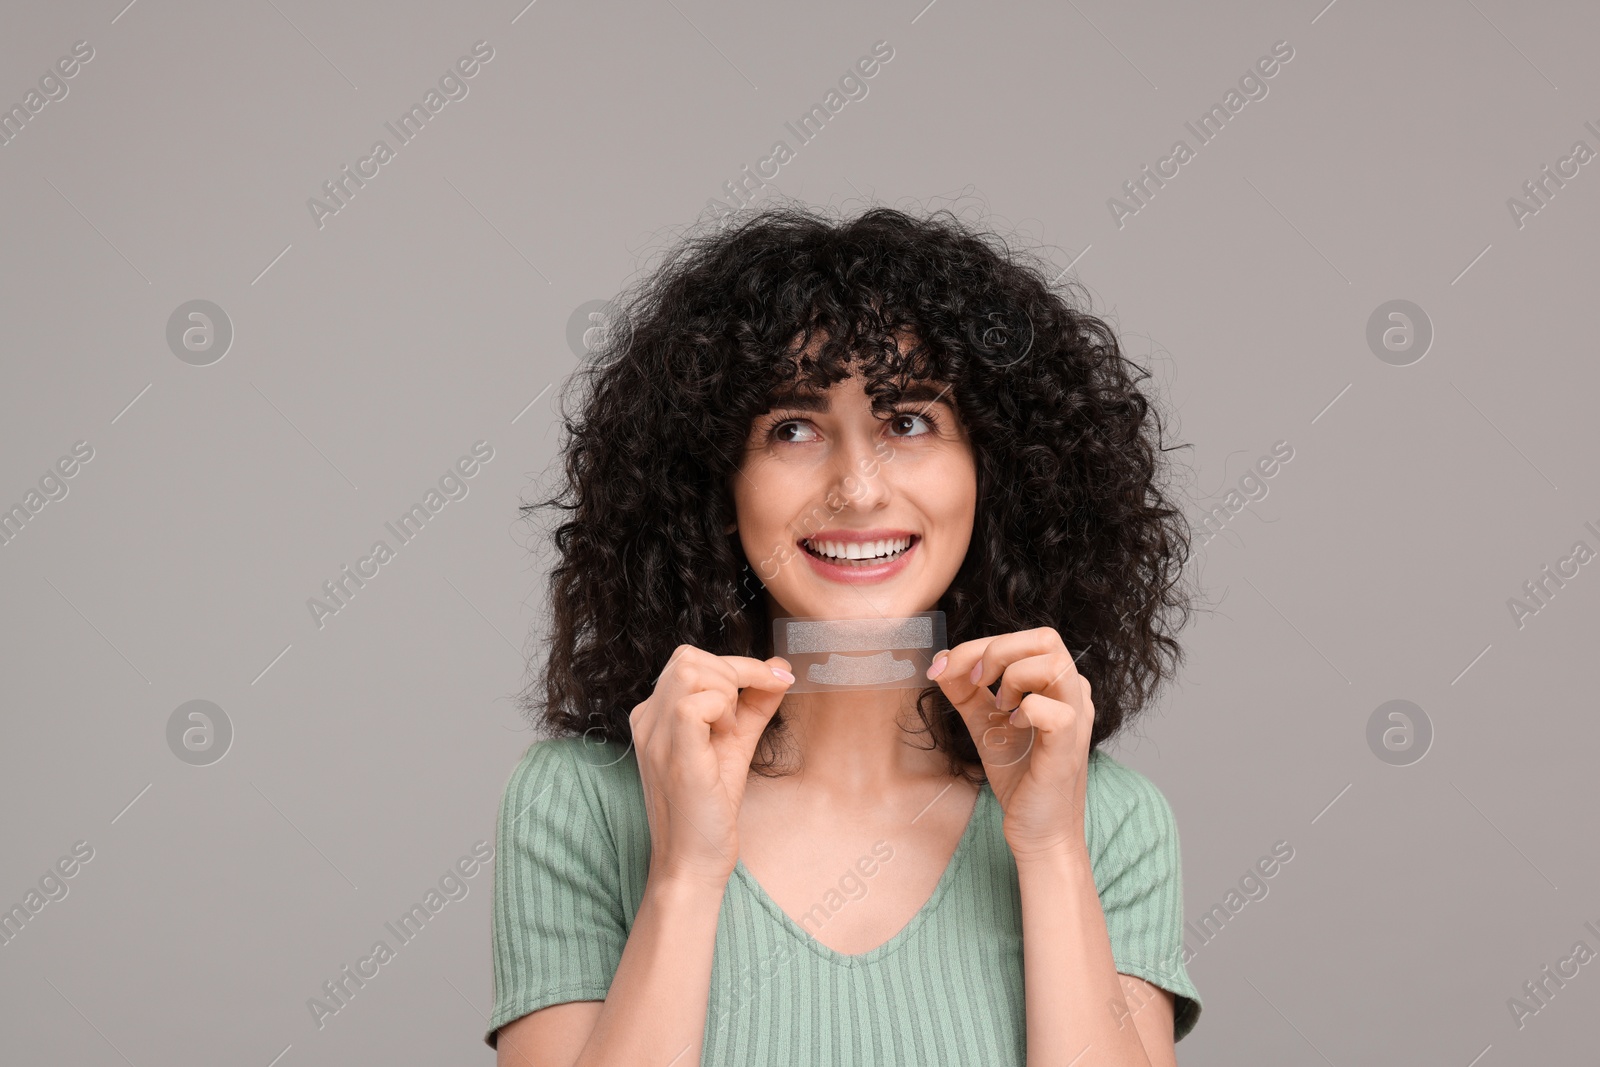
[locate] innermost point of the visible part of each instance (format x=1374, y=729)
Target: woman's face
x=824, y=479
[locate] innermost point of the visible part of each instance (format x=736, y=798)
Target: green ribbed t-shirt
x=570, y=868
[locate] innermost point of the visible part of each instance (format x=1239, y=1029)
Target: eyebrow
x=798, y=400
x=929, y=392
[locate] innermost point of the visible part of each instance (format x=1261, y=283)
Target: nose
x=859, y=474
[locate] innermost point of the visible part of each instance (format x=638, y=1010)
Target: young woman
x=701, y=867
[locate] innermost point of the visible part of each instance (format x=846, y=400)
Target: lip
x=855, y=575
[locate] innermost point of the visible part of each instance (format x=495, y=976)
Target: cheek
x=958, y=492
x=946, y=494
x=765, y=497
x=963, y=508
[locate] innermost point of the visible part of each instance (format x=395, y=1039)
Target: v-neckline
x=856, y=959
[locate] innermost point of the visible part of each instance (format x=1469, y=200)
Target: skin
x=914, y=471
x=857, y=773
x=859, y=785
x=859, y=781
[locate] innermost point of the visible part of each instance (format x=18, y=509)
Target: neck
x=850, y=746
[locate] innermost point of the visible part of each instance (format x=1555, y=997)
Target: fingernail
x=783, y=674
x=938, y=665
x=977, y=671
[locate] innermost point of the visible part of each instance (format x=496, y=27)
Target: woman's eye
x=780, y=431
x=903, y=424
x=911, y=417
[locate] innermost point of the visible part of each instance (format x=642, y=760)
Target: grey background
x=369, y=755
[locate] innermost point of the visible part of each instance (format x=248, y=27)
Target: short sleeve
x=1133, y=842
x=557, y=921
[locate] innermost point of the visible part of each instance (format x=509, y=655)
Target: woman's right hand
x=695, y=736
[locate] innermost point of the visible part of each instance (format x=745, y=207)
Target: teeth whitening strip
x=829, y=654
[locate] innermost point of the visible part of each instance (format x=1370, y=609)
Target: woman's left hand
x=1037, y=758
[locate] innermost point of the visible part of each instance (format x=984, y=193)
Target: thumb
x=755, y=709
x=973, y=701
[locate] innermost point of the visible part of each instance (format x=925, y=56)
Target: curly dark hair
x=1072, y=527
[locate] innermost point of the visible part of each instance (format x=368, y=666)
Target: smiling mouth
x=858, y=554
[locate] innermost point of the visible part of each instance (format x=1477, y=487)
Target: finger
x=757, y=699
x=673, y=669
x=755, y=709
x=693, y=670
x=701, y=710
x=954, y=677
x=758, y=674
x=683, y=749
x=1000, y=745
x=1052, y=718
x=1006, y=649
x=755, y=687
x=685, y=673
x=689, y=736
x=1054, y=674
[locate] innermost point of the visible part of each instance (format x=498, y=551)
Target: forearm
x=1076, y=1011
x=655, y=1010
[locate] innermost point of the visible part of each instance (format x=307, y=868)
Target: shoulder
x=1138, y=872
x=545, y=764
x=573, y=773
x=1127, y=816
x=1114, y=787
x=603, y=763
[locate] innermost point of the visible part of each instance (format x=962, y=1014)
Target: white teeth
x=858, y=550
